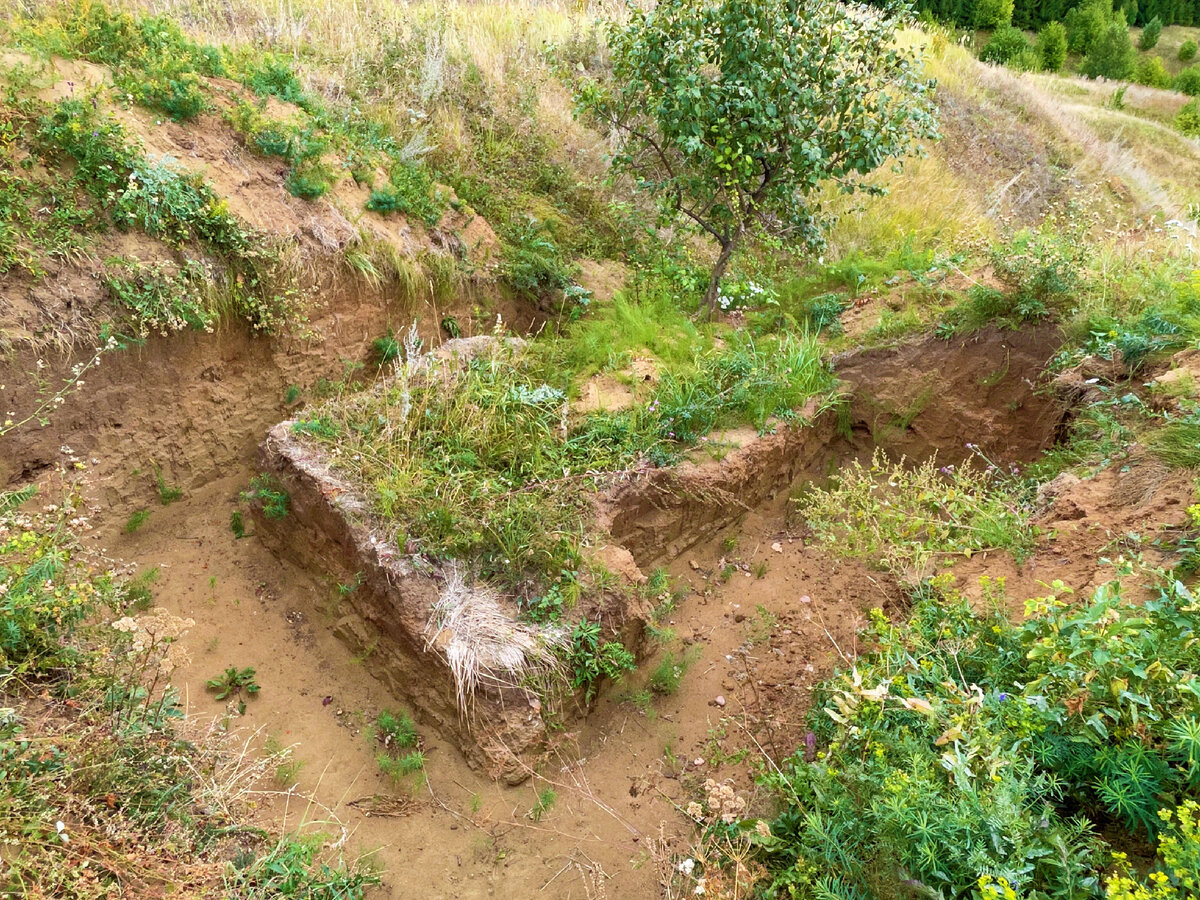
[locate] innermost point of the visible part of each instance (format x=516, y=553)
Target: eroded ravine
x=622, y=773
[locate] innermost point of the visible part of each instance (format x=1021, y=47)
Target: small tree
x=1188, y=81
x=1151, y=72
x=1188, y=120
x=736, y=113
x=1187, y=51
x=993, y=13
x=1052, y=45
x=1112, y=55
x=1006, y=44
x=1150, y=34
x=1086, y=23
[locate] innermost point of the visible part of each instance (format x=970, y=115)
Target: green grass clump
x=136, y=520
x=668, y=674
x=1177, y=444
x=266, y=491
x=911, y=519
x=397, y=729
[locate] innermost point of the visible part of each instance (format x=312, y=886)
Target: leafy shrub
x=993, y=13
x=45, y=596
x=152, y=61
x=533, y=261
x=1151, y=72
x=1111, y=54
x=824, y=313
x=964, y=747
x=1052, y=46
x=158, y=300
x=1188, y=81
x=1150, y=34
x=1187, y=50
x=309, y=181
x=272, y=76
x=1005, y=44
x=1188, y=119
x=1028, y=60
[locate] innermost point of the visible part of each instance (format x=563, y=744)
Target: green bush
x=1052, y=46
x=1150, y=34
x=907, y=519
x=533, y=261
x=1086, y=23
x=966, y=748
x=1151, y=72
x=1111, y=54
x=43, y=594
x=409, y=191
x=1006, y=43
x=993, y=13
x=1187, y=50
x=1188, y=81
x=1188, y=120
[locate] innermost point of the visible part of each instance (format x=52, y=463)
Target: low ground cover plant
x=107, y=787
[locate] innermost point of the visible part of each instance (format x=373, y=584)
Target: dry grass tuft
x=484, y=644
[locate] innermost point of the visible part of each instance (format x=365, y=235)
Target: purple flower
x=1003, y=697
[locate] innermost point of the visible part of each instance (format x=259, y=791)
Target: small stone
x=695, y=565
x=698, y=761
x=777, y=547
x=806, y=599
x=720, y=700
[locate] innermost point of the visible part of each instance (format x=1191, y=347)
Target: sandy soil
x=759, y=643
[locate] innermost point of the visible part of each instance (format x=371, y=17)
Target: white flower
x=62, y=832
x=686, y=866
x=699, y=886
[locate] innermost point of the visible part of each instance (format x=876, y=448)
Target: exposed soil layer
x=651, y=518
x=197, y=405
x=935, y=396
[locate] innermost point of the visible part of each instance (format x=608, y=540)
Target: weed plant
x=911, y=519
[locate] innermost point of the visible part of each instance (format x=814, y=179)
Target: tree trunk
x=714, y=282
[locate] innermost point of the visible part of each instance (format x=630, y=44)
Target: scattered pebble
x=720, y=700
x=698, y=761
x=777, y=547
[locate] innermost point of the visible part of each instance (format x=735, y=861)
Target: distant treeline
x=1033, y=14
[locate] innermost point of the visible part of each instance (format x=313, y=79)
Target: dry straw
x=483, y=644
